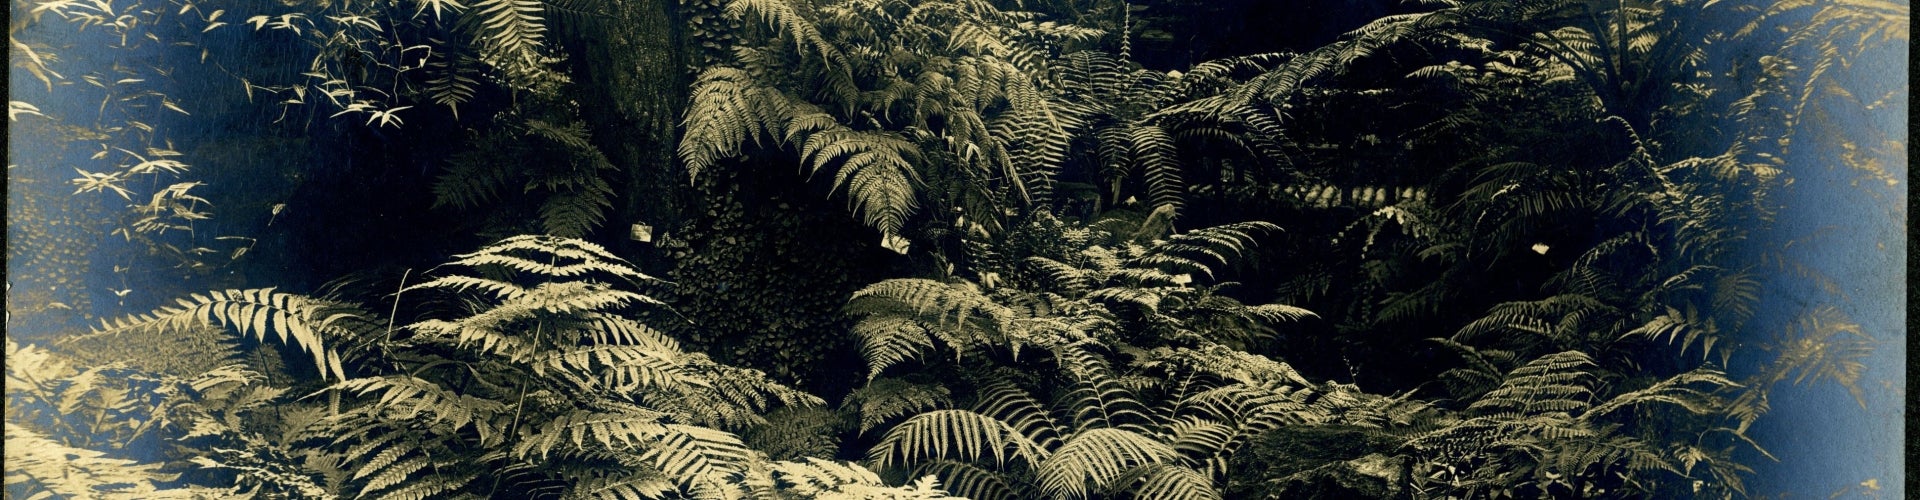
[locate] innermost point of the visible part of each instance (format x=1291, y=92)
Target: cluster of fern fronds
x=1102, y=362
x=525, y=377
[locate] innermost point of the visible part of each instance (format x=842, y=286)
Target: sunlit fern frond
x=726, y=397
x=633, y=484
x=584, y=429
x=698, y=457
x=728, y=109
x=970, y=481
x=1094, y=459
x=957, y=314
x=398, y=464
x=816, y=478
x=622, y=368
x=875, y=169
x=1199, y=440
x=452, y=81
x=1167, y=481
x=889, y=340
x=1693, y=391
x=1098, y=398
x=427, y=403
x=1007, y=402
x=1682, y=328
x=510, y=33
x=308, y=323
x=545, y=257
x=954, y=435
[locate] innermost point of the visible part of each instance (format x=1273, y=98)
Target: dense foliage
x=1064, y=249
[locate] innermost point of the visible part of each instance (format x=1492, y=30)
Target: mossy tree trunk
x=632, y=77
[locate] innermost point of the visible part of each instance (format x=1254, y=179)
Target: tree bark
x=632, y=81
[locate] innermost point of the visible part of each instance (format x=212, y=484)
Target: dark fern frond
x=1560, y=382
x=1155, y=158
x=884, y=400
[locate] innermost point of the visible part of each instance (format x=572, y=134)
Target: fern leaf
x=884, y=400
x=1155, y=158
x=954, y=435
x=1170, y=482
x=294, y=319
x=1099, y=457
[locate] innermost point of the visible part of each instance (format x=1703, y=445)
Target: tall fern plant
x=526, y=378
x=903, y=104
x=542, y=384
x=1102, y=373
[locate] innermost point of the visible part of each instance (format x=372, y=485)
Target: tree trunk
x=632, y=80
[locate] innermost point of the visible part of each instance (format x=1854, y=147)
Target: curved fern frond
x=887, y=340
x=883, y=400
x=875, y=169
x=970, y=481
x=1098, y=457
x=297, y=320
x=1557, y=382
x=1170, y=482
x=953, y=435
x=1156, y=159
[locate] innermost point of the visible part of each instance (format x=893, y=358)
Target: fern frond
x=294, y=319
x=407, y=398
x=620, y=368
x=1098, y=457
x=1170, y=482
x=696, y=455
x=471, y=182
x=511, y=32
x=875, y=169
x=883, y=400
x=630, y=428
x=1155, y=158
x=888, y=340
x=954, y=435
x=1557, y=382
x=623, y=485
x=1007, y=402
x=969, y=481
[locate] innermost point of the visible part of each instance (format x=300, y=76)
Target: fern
x=885, y=400
x=818, y=478
x=512, y=32
x=1153, y=155
x=297, y=320
x=41, y=468
x=1171, y=482
x=1100, y=457
x=876, y=170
